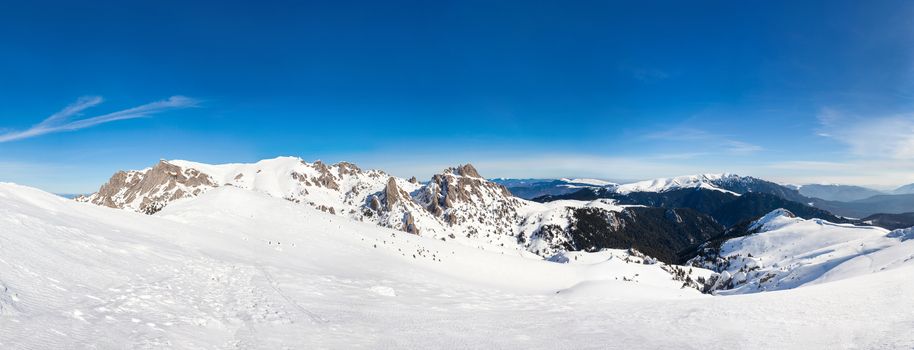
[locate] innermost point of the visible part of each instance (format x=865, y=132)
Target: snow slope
x=788, y=252
x=240, y=269
x=237, y=268
x=706, y=181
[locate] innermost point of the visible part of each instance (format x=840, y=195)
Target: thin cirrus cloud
x=723, y=142
x=64, y=120
x=875, y=137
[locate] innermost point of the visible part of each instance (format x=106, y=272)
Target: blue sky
x=811, y=92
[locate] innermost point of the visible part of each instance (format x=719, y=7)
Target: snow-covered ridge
x=706, y=181
x=591, y=182
x=775, y=219
x=338, y=187
x=787, y=252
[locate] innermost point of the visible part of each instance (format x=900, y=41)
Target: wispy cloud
x=63, y=120
x=877, y=173
x=680, y=134
x=739, y=147
x=718, y=141
x=874, y=137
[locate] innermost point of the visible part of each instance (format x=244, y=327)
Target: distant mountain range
x=665, y=218
x=906, y=189
x=841, y=193
x=841, y=200
x=532, y=188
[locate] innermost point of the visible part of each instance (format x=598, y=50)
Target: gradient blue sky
x=794, y=92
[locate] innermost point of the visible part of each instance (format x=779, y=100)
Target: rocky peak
x=173, y=175
x=393, y=207
x=463, y=170
x=325, y=177
x=460, y=194
x=148, y=190
x=469, y=186
x=346, y=168
x=393, y=194
x=409, y=224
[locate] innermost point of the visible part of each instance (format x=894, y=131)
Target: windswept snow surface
x=241, y=269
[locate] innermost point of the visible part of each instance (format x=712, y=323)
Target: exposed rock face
x=326, y=178
x=409, y=224
x=466, y=170
x=148, y=191
x=346, y=168
x=393, y=194
x=463, y=185
x=464, y=200
x=374, y=203
x=394, y=207
x=431, y=195
x=457, y=204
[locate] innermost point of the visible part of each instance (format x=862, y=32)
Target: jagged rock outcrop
x=336, y=188
x=409, y=224
x=393, y=207
x=148, y=191
x=461, y=185
x=466, y=170
x=325, y=177
x=393, y=194
x=470, y=206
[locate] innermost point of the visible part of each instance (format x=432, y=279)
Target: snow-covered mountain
x=457, y=204
x=783, y=251
x=731, y=184
x=340, y=187
x=236, y=268
x=588, y=182
x=462, y=206
x=728, y=183
x=534, y=188
x=706, y=181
